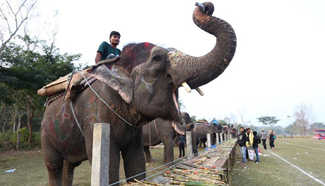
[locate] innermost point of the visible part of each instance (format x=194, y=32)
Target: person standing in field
x=181, y=145
x=242, y=138
x=264, y=137
x=272, y=139
x=249, y=142
x=256, y=141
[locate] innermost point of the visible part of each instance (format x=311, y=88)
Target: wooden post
x=209, y=140
x=100, y=155
x=189, y=148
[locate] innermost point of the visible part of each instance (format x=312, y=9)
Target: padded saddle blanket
x=66, y=83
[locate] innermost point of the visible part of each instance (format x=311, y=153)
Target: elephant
x=163, y=131
x=139, y=87
x=200, y=131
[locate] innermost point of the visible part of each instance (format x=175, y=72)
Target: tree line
x=26, y=64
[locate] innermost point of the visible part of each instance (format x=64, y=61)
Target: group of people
x=248, y=141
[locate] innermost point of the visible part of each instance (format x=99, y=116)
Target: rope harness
x=101, y=99
x=106, y=104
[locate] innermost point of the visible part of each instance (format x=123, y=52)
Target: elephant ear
x=118, y=79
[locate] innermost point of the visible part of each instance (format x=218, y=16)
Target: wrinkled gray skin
x=139, y=97
x=163, y=131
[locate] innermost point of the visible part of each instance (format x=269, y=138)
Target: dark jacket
x=272, y=137
x=242, y=138
x=256, y=140
x=182, y=139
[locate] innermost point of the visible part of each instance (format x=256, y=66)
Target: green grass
x=305, y=153
x=30, y=169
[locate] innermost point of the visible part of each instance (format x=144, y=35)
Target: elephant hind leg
x=147, y=153
x=68, y=169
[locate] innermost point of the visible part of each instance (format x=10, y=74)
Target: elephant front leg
x=133, y=158
x=114, y=163
x=147, y=153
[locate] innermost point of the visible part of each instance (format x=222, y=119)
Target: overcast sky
x=277, y=66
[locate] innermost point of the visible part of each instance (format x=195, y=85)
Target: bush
x=8, y=140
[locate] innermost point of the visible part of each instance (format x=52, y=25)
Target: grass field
x=30, y=169
x=306, y=153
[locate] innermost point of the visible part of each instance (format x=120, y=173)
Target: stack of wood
x=207, y=169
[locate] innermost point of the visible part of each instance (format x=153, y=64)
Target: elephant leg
x=213, y=139
x=114, y=163
x=147, y=153
x=204, y=140
x=168, y=149
x=54, y=165
x=133, y=158
x=68, y=169
x=53, y=162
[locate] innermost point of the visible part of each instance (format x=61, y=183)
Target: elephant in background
x=162, y=131
x=200, y=131
x=139, y=88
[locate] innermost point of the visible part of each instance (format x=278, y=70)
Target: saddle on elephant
x=72, y=81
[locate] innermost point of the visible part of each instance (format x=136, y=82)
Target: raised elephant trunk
x=197, y=71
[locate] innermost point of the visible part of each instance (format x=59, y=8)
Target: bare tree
x=13, y=16
x=303, y=118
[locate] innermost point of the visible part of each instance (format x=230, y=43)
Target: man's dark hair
x=114, y=33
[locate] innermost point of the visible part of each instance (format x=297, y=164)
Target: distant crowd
x=248, y=140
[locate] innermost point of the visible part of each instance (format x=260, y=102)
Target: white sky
x=277, y=66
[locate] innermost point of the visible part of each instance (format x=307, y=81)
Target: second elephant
x=162, y=131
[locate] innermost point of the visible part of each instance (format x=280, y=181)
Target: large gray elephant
x=128, y=99
x=163, y=131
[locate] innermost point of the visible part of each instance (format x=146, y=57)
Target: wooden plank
x=100, y=155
